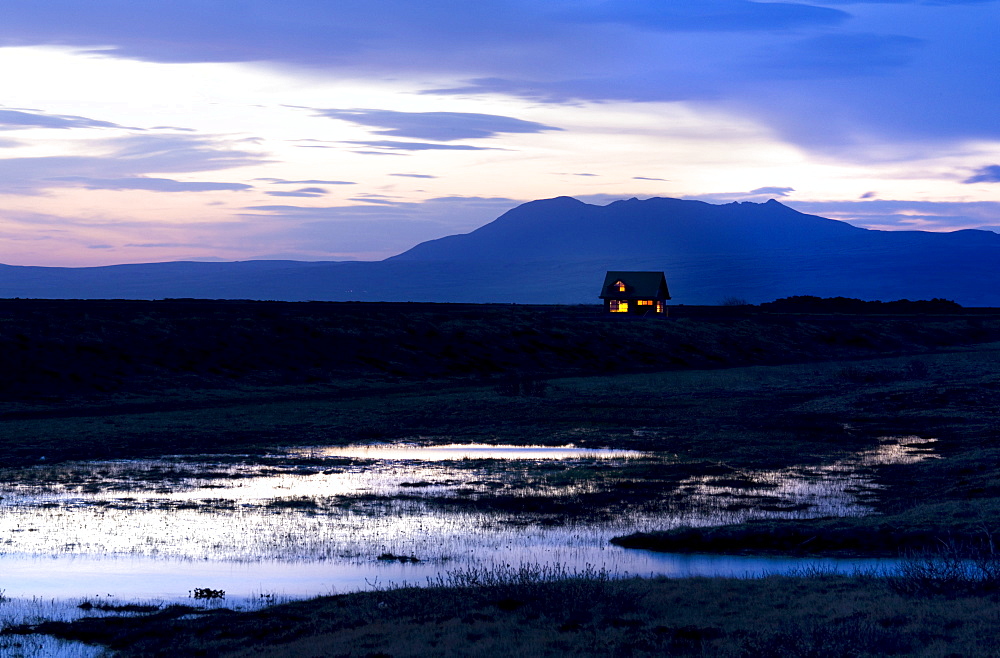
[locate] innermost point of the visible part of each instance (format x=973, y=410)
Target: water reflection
x=452, y=451
x=846, y=487
x=314, y=521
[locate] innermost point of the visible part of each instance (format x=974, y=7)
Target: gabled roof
x=644, y=285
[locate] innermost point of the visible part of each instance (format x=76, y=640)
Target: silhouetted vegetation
x=810, y=304
x=54, y=351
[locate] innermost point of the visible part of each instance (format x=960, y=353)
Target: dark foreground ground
x=817, y=615
x=720, y=388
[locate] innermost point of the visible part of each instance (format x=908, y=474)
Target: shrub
x=952, y=569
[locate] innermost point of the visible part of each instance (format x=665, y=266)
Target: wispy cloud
x=123, y=163
x=757, y=195
x=987, y=174
x=709, y=15
x=21, y=119
x=418, y=146
x=894, y=214
x=282, y=181
x=382, y=227
x=436, y=126
x=773, y=191
x=844, y=55
x=301, y=192
x=149, y=184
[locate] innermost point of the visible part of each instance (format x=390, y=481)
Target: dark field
x=727, y=390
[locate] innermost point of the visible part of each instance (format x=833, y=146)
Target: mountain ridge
x=557, y=250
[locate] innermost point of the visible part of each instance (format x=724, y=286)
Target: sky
x=157, y=130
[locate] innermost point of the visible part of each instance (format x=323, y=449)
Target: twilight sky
x=152, y=130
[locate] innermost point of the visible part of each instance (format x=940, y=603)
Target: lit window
x=659, y=306
x=645, y=302
x=620, y=286
x=619, y=306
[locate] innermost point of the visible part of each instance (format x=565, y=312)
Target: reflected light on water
x=469, y=451
x=314, y=521
x=846, y=487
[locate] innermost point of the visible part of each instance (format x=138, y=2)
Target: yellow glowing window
x=659, y=307
x=620, y=286
x=645, y=302
x=619, y=306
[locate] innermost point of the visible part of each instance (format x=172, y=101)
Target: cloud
x=419, y=146
x=846, y=81
x=773, y=191
x=454, y=213
x=149, y=184
x=396, y=34
x=123, y=163
x=380, y=153
x=436, y=126
x=182, y=152
x=372, y=199
x=282, y=181
x=301, y=192
x=414, y=175
x=840, y=55
x=894, y=215
x=757, y=195
x=906, y=2
x=649, y=178
x=709, y=15
x=20, y=119
x=160, y=245
x=987, y=174
x=376, y=231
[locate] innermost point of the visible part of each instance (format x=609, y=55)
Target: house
x=635, y=293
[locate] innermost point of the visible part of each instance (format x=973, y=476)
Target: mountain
x=557, y=250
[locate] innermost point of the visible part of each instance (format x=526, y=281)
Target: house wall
x=635, y=309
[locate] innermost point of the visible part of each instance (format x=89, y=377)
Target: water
x=468, y=451
x=317, y=521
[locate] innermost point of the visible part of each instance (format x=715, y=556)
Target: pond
x=322, y=520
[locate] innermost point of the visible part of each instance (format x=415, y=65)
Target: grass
x=534, y=611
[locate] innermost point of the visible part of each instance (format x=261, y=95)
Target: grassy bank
x=924, y=527
x=532, y=612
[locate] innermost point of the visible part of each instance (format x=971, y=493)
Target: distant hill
x=557, y=250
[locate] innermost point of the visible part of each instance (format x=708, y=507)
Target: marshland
x=488, y=477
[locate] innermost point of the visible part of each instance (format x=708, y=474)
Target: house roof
x=644, y=285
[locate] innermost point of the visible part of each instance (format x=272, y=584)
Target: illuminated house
x=635, y=293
